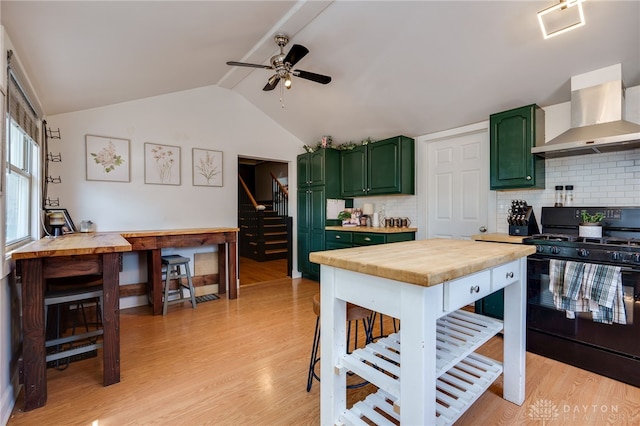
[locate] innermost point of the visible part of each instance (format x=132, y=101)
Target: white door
x=458, y=186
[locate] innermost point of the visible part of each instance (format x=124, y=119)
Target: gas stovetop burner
x=613, y=241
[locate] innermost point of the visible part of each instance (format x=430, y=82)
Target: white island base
x=427, y=373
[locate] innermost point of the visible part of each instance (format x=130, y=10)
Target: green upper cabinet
x=353, y=169
x=512, y=135
x=320, y=168
x=379, y=168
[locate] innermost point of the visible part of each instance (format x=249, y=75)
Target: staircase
x=263, y=232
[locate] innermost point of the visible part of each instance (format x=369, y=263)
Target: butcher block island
x=428, y=372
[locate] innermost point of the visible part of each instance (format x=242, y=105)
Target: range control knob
x=555, y=250
x=539, y=249
x=636, y=257
x=583, y=252
x=616, y=255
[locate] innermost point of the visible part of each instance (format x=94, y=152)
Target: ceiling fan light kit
x=282, y=65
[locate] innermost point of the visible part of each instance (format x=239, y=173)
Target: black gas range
x=611, y=350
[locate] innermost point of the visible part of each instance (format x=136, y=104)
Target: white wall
x=210, y=118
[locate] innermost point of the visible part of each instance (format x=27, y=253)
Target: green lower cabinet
x=346, y=239
x=338, y=240
x=491, y=305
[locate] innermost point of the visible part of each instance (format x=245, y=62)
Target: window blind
x=18, y=105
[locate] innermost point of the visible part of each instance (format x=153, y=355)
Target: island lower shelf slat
x=462, y=374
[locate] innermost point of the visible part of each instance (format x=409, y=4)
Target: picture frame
x=107, y=158
x=161, y=164
x=207, y=167
x=68, y=228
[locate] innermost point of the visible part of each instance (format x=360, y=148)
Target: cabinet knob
x=474, y=289
x=338, y=237
x=482, y=229
x=528, y=178
x=367, y=239
x=509, y=274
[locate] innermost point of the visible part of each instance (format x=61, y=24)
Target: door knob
x=482, y=229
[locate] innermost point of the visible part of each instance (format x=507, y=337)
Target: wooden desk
x=153, y=241
x=67, y=256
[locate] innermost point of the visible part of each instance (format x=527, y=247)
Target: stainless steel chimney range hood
x=597, y=122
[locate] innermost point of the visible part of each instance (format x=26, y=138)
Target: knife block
x=524, y=230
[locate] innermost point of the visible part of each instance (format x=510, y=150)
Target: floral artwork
x=161, y=164
x=107, y=158
x=207, y=167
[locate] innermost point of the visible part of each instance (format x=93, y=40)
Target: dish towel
x=586, y=287
x=565, y=283
x=603, y=289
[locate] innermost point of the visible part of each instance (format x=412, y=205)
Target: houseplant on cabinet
x=591, y=225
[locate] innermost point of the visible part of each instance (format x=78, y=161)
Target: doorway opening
x=265, y=236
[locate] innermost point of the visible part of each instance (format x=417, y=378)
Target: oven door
x=542, y=315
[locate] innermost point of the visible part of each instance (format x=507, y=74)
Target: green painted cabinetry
x=318, y=179
x=347, y=239
x=512, y=135
x=379, y=168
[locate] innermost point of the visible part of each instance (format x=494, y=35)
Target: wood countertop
x=375, y=229
x=73, y=245
x=169, y=232
x=423, y=262
x=499, y=238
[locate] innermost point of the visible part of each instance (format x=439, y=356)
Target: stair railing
x=254, y=220
x=280, y=196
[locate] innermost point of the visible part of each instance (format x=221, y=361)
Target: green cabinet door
x=353, y=169
x=311, y=224
x=379, y=168
x=512, y=135
x=391, y=166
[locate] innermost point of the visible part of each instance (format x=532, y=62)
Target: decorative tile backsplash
x=598, y=180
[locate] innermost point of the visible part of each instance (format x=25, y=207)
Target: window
x=21, y=186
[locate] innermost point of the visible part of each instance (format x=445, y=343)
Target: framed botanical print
x=161, y=164
x=107, y=158
x=207, y=167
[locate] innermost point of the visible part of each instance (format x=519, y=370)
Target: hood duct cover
x=597, y=123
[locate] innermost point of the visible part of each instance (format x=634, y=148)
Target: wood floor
x=244, y=362
x=252, y=272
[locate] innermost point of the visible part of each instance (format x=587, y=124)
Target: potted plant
x=591, y=225
x=345, y=217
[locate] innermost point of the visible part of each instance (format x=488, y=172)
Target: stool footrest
x=74, y=338
x=75, y=351
x=72, y=295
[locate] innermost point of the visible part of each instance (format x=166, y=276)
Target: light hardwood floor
x=244, y=362
x=253, y=272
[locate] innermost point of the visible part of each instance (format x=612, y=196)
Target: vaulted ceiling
x=398, y=67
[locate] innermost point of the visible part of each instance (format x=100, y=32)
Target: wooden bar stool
x=60, y=298
x=173, y=270
x=354, y=313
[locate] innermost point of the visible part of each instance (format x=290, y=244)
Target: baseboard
x=9, y=397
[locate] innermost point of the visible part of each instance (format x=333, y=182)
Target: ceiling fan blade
x=318, y=78
x=245, y=64
x=272, y=83
x=296, y=53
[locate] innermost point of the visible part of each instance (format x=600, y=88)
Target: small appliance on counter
x=521, y=219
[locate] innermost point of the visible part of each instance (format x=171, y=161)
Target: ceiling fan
x=282, y=65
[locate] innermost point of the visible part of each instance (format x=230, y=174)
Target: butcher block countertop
x=423, y=262
x=73, y=245
x=376, y=229
x=168, y=232
x=499, y=238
